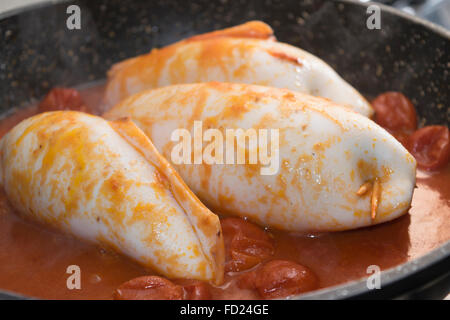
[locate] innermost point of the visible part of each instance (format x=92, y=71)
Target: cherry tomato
x=62, y=99
x=246, y=245
x=430, y=146
x=395, y=113
x=149, y=288
x=281, y=278
x=197, y=291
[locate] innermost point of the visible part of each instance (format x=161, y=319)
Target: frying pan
x=38, y=51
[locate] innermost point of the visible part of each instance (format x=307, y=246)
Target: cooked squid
x=247, y=53
x=105, y=182
x=332, y=168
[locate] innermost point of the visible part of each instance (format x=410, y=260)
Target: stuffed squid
x=105, y=182
x=247, y=53
x=328, y=168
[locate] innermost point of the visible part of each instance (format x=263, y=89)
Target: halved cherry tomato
x=62, y=99
x=430, y=146
x=149, y=288
x=246, y=245
x=281, y=278
x=395, y=112
x=197, y=290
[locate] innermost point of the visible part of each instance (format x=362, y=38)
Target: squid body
x=105, y=182
x=332, y=168
x=247, y=53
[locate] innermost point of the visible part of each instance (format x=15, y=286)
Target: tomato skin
x=401, y=137
x=62, y=99
x=197, y=291
x=149, y=288
x=247, y=280
x=279, y=278
x=246, y=244
x=395, y=113
x=430, y=146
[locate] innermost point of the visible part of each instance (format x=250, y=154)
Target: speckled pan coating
x=37, y=51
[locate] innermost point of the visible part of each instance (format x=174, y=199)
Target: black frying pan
x=407, y=54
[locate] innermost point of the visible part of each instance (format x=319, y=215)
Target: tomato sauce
x=34, y=258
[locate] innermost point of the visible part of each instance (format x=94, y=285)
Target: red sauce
x=34, y=259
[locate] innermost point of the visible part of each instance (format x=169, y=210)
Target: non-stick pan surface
x=38, y=51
